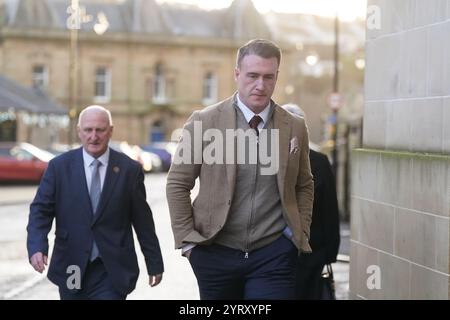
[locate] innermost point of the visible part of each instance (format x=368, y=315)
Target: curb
x=15, y=202
x=23, y=287
x=343, y=258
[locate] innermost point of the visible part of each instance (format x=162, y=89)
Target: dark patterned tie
x=254, y=123
x=94, y=193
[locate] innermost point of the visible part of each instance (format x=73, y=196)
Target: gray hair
x=294, y=109
x=96, y=108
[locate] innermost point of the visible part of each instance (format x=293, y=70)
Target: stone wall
x=401, y=177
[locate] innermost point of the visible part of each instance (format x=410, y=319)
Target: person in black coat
x=324, y=236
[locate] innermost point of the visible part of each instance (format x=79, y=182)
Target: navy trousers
x=95, y=285
x=225, y=273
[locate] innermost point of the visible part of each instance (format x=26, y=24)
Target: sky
x=348, y=9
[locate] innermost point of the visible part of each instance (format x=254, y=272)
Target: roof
x=240, y=20
x=20, y=98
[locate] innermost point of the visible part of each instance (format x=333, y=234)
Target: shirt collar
x=248, y=114
x=88, y=159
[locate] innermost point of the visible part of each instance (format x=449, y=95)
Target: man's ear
x=236, y=73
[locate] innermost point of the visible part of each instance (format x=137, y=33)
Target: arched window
x=157, y=131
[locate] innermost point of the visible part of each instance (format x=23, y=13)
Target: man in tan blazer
x=243, y=232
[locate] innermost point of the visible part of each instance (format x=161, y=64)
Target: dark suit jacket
x=325, y=236
x=63, y=195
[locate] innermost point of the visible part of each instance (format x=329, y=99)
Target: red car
x=22, y=162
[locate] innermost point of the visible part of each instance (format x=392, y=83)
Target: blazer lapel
x=112, y=173
x=281, y=122
x=227, y=120
x=80, y=180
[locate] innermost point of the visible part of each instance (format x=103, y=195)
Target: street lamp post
x=73, y=83
x=335, y=91
x=78, y=16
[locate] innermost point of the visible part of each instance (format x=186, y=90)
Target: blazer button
x=229, y=202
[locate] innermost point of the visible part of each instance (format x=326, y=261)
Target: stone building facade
x=401, y=177
x=154, y=65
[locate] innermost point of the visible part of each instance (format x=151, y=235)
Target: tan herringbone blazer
x=200, y=221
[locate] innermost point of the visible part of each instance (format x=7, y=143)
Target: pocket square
x=293, y=145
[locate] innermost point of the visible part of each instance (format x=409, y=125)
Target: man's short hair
x=263, y=48
x=97, y=108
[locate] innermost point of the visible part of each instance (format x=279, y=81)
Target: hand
x=38, y=261
x=154, y=280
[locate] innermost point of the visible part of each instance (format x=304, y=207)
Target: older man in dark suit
x=96, y=195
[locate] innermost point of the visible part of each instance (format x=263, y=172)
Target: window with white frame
x=210, y=88
x=102, y=85
x=40, y=76
x=159, y=85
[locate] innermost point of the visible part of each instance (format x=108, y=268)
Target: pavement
x=342, y=266
x=179, y=281
x=16, y=194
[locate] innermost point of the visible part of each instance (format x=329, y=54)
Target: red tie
x=254, y=123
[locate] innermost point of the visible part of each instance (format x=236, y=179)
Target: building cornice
x=119, y=37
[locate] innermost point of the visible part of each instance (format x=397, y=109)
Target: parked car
x=150, y=162
x=58, y=148
x=169, y=146
x=162, y=153
x=22, y=162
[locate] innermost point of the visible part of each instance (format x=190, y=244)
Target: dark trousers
x=225, y=273
x=96, y=285
x=308, y=278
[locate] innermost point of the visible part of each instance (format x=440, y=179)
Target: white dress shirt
x=249, y=114
x=89, y=168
